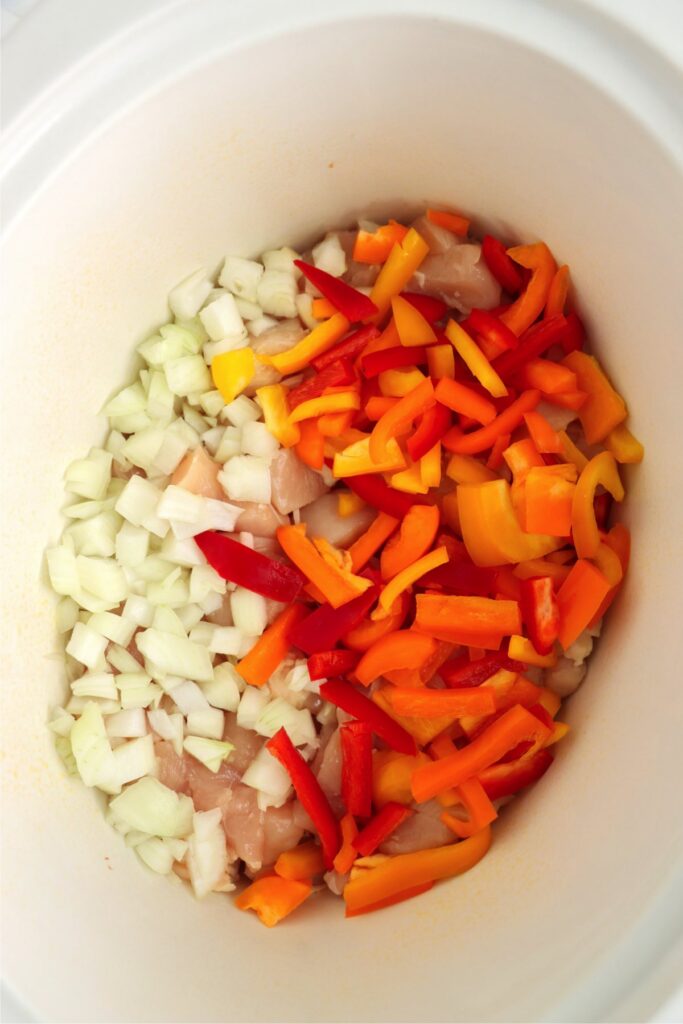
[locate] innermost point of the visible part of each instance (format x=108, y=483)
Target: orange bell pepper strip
x=343, y=862
x=521, y=649
x=479, y=808
x=391, y=901
x=381, y=528
x=508, y=689
x=273, y=400
x=604, y=409
x=464, y=400
x=475, y=360
x=521, y=457
x=601, y=470
x=450, y=512
x=549, y=377
x=387, y=339
x=320, y=339
x=342, y=401
x=477, y=621
x=412, y=405
x=311, y=445
x=378, y=405
x=335, y=424
x=504, y=734
x=301, y=863
x=491, y=530
x=421, y=702
x=609, y=564
x=495, y=459
x=440, y=361
x=413, y=329
x=271, y=648
x=524, y=310
x=454, y=222
x=358, y=459
x=619, y=540
x=465, y=469
x=375, y=246
x=579, y=599
x=504, y=423
x=624, y=446
x=399, y=382
x=322, y=564
x=322, y=309
x=401, y=649
x=405, y=579
x=402, y=262
x=430, y=467
x=542, y=433
x=391, y=775
x=423, y=730
x=548, y=498
x=569, y=399
x=415, y=537
x=557, y=295
x=364, y=636
x=426, y=671
x=408, y=871
x=273, y=898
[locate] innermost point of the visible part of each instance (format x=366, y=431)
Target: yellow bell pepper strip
x=601, y=470
x=322, y=309
x=491, y=530
x=320, y=339
x=480, y=810
x=405, y=579
x=502, y=735
x=542, y=433
x=335, y=582
x=524, y=310
x=507, y=421
x=357, y=460
x=409, y=480
x=406, y=411
x=624, y=446
x=273, y=400
x=271, y=648
x=399, y=382
x=348, y=504
x=579, y=599
x=465, y=469
x=423, y=702
x=557, y=295
x=570, y=452
x=473, y=621
x=475, y=360
x=311, y=444
x=604, y=409
x=558, y=572
x=404, y=259
x=430, y=467
x=415, y=537
x=375, y=246
x=409, y=872
x=391, y=775
x=342, y=401
x=273, y=898
x=440, y=361
x=464, y=400
x=413, y=329
x=362, y=549
x=423, y=730
x=549, y=700
x=548, y=498
x=232, y=372
x=402, y=649
x=301, y=863
x=521, y=649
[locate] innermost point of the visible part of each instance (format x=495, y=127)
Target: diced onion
x=187, y=374
x=168, y=727
x=248, y=310
x=114, y=627
x=230, y=641
x=95, y=684
x=138, y=503
x=61, y=722
x=279, y=714
x=132, y=544
x=329, y=256
x=221, y=319
x=249, y=611
x=92, y=750
x=212, y=402
x=241, y=410
x=149, y=806
x=211, y=753
x=86, y=645
x=207, y=855
x=246, y=478
x=62, y=570
x=241, y=277
x=251, y=705
x=205, y=580
x=126, y=724
x=282, y=260
x=167, y=621
x=260, y=326
x=189, y=295
x=188, y=697
x=225, y=688
x=211, y=439
x=122, y=660
x=266, y=774
x=135, y=759
x=102, y=577
x=173, y=655
x=138, y=610
x=160, y=398
x=190, y=615
x=96, y=535
x=66, y=614
x=208, y=722
x=155, y=854
x=89, y=477
x=276, y=294
x=304, y=306
x=258, y=440
x=230, y=444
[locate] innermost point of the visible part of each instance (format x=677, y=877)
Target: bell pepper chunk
x=506, y=421
x=491, y=529
x=421, y=702
x=493, y=336
x=463, y=672
x=347, y=852
x=375, y=246
x=326, y=626
x=601, y=470
x=377, y=831
x=413, y=328
x=273, y=898
x=579, y=599
x=274, y=400
x=557, y=294
x=247, y=568
x=318, y=562
x=342, y=401
x=391, y=358
x=356, y=785
x=405, y=579
x=501, y=780
x=363, y=636
x=337, y=374
x=350, y=348
x=464, y=400
x=327, y=664
x=540, y=613
x=408, y=409
x=232, y=372
x=505, y=271
x=532, y=344
x=604, y=408
x=320, y=339
x=474, y=621
x=346, y=697
x=358, y=460
x=271, y=648
x=374, y=491
x=431, y=428
x=478, y=805
x=347, y=300
x=301, y=863
x=310, y=447
x=402, y=262
x=530, y=303
x=401, y=649
x=475, y=360
x=454, y=222
x=415, y=537
x=624, y=446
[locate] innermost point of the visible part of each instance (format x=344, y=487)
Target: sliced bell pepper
x=515, y=725
x=548, y=498
x=401, y=649
x=400, y=382
x=431, y=428
x=318, y=562
x=624, y=446
x=491, y=530
x=334, y=375
x=328, y=664
x=532, y=344
x=463, y=672
x=506, y=421
x=574, y=400
x=248, y=568
x=441, y=361
x=309, y=792
x=271, y=648
x=570, y=452
x=385, y=822
x=346, y=697
x=273, y=399
x=462, y=578
x=506, y=273
x=347, y=300
x=492, y=335
x=301, y=863
x=409, y=480
x=557, y=294
x=362, y=549
x=502, y=780
x=430, y=467
x=425, y=672
x=454, y=222
x=358, y=459
x=405, y=579
x=521, y=648
x=391, y=775
x=375, y=246
x=422, y=702
x=464, y=400
x=363, y=636
x=387, y=339
x=578, y=599
x=322, y=309
x=604, y=408
x=477, y=621
x=335, y=424
x=232, y=372
x=391, y=358
x=540, y=612
x=377, y=405
x=432, y=309
x=410, y=407
x=415, y=537
x=348, y=504
x=350, y=348
x=273, y=898
x=558, y=572
x=601, y=470
x=402, y=262
x=423, y=730
x=619, y=540
x=507, y=689
x=310, y=447
x=343, y=862
x=408, y=871
x=341, y=401
x=356, y=785
x=548, y=377
x=475, y=360
x=326, y=626
x=413, y=328
x=465, y=469
x=524, y=310
x=480, y=810
x=320, y=339
x=542, y=433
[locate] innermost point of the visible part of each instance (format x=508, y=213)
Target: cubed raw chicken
x=258, y=518
x=198, y=473
x=323, y=520
x=328, y=765
x=421, y=831
x=293, y=484
x=277, y=339
x=457, y=273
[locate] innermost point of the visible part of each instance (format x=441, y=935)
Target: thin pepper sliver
x=402, y=649
x=323, y=628
x=347, y=300
x=506, y=421
x=356, y=783
x=385, y=822
x=271, y=648
x=346, y=697
x=337, y=584
x=320, y=339
x=251, y=569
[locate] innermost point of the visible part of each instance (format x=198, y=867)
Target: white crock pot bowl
x=184, y=131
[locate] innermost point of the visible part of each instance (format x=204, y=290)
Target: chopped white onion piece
x=194, y=418
x=217, y=348
x=62, y=570
x=171, y=592
x=276, y=294
x=61, y=722
x=103, y=578
x=282, y=260
x=132, y=544
x=241, y=277
x=304, y=307
x=211, y=439
x=141, y=448
x=279, y=714
x=77, y=705
x=298, y=679
x=127, y=724
x=96, y=535
x=87, y=509
x=86, y=645
x=188, y=697
x=212, y=402
x=89, y=477
x=329, y=256
x=252, y=703
x=95, y=684
x=189, y=615
x=241, y=410
x=154, y=569
x=160, y=398
x=122, y=660
x=224, y=689
x=230, y=444
x=202, y=633
x=155, y=854
x=264, y=323
x=209, y=722
x=246, y=478
x=168, y=727
x=187, y=374
x=114, y=444
x=221, y=318
x=173, y=449
x=211, y=753
x=135, y=759
x=266, y=774
x=228, y=640
x=249, y=612
x=248, y=310
x=66, y=614
x=188, y=296
x=138, y=504
x=258, y=440
x=130, y=400
x=181, y=552
x=207, y=855
x=205, y=580
x=114, y=627
x=138, y=610
x=149, y=806
x=211, y=603
x=167, y=621
x=92, y=750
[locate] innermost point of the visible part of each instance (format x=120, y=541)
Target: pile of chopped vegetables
x=346, y=548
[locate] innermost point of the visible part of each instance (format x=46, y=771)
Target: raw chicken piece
x=277, y=339
x=171, y=769
x=439, y=240
x=323, y=520
x=454, y=271
x=421, y=831
x=328, y=770
x=293, y=484
x=258, y=518
x=199, y=473
x=566, y=677
x=247, y=743
x=280, y=831
x=223, y=615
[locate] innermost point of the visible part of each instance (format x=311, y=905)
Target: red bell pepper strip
x=381, y=827
x=462, y=578
x=431, y=428
x=350, y=303
x=356, y=786
x=602, y=506
x=532, y=344
x=239, y=564
x=326, y=664
x=389, y=358
x=325, y=626
x=502, y=780
x=432, y=309
x=373, y=490
x=346, y=697
x=574, y=334
x=462, y=672
x=333, y=375
x=505, y=271
x=493, y=335
x=540, y=613
x=309, y=792
x=350, y=348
